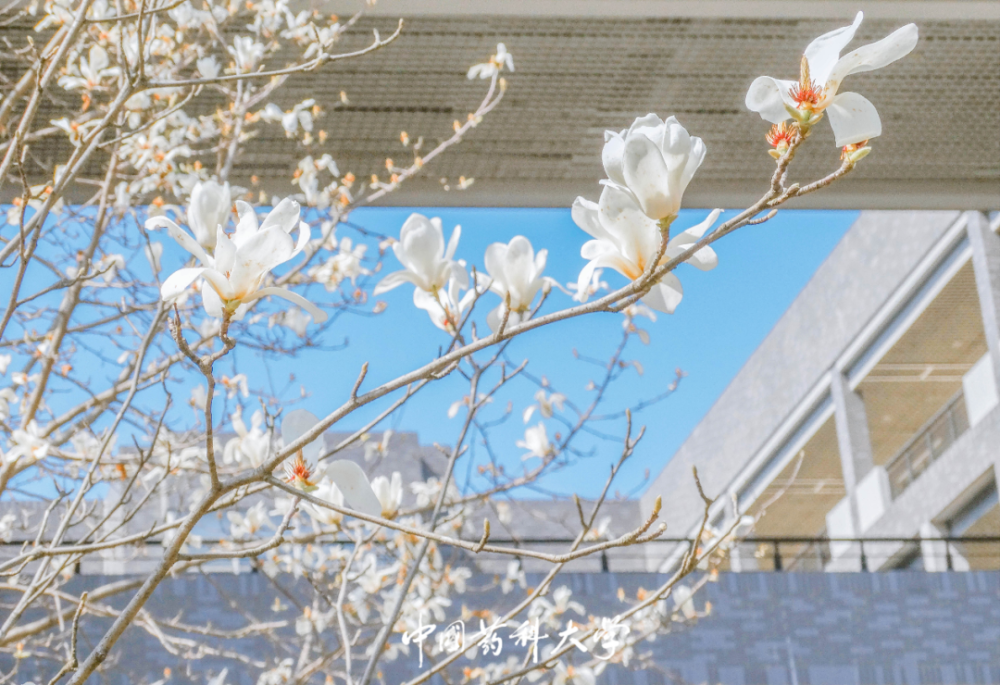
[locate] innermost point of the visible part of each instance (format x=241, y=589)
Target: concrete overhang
x=584, y=66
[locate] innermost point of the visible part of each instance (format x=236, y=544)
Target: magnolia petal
x=98, y=59
x=208, y=208
x=650, y=126
x=262, y=252
x=394, y=280
x=647, y=176
x=896, y=45
x=612, y=155
x=285, y=216
x=493, y=260
x=178, y=282
x=225, y=252
x=494, y=318
x=606, y=257
x=665, y=295
x=824, y=52
x=318, y=315
x=181, y=237
x=297, y=423
x=453, y=243
x=246, y=226
x=631, y=231
x=586, y=215
x=519, y=269
x=854, y=119
x=696, y=232
x=705, y=259
x=351, y=480
x=426, y=301
x=421, y=246
x=676, y=144
x=219, y=283
x=592, y=249
x=694, y=160
x=305, y=234
x=458, y=274
x=768, y=96
x=211, y=300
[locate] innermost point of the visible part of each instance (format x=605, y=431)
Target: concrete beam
x=986, y=265
x=908, y=10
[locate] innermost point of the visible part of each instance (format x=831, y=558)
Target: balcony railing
x=929, y=443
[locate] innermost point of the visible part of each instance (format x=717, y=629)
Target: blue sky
x=724, y=316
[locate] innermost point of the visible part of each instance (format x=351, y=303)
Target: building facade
x=870, y=412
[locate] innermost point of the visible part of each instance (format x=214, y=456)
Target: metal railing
x=780, y=554
x=930, y=442
x=813, y=554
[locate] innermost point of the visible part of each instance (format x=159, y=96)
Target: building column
x=986, y=265
x=852, y=432
x=854, y=443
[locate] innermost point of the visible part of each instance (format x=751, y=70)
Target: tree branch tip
x=357, y=383
x=485, y=538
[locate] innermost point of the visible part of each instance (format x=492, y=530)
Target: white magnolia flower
x=514, y=269
x=108, y=266
x=299, y=115
x=76, y=131
x=550, y=610
x=481, y=398
x=854, y=119
x=378, y=450
x=627, y=240
x=327, y=491
x=447, y=306
x=496, y=64
x=513, y=576
x=91, y=71
x=199, y=398
x=237, y=385
x=654, y=161
x=246, y=525
x=5, y=360
x=599, y=531
x=536, y=441
x=246, y=52
x=547, y=404
x=7, y=397
x=209, y=208
x=7, y=527
x=253, y=445
x=294, y=320
x=346, y=264
x=348, y=476
x=428, y=263
x=683, y=601
x=28, y=443
x=208, y=67
x=389, y=493
x=582, y=294
x=233, y=276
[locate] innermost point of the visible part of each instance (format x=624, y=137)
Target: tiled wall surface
x=897, y=628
